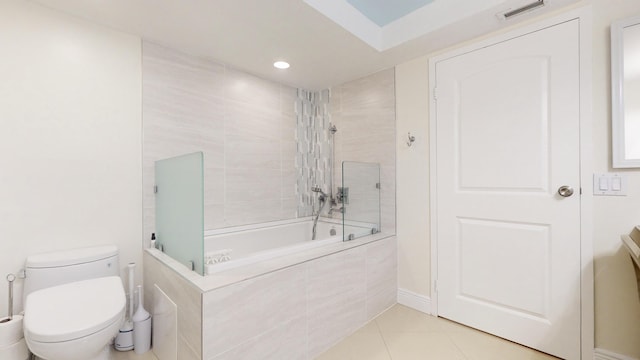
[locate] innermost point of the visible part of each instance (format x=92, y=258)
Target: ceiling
x=324, y=50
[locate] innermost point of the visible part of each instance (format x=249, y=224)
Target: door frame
x=584, y=16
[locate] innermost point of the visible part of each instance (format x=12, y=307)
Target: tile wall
x=244, y=125
x=313, y=139
x=188, y=300
x=265, y=144
x=300, y=311
x=364, y=113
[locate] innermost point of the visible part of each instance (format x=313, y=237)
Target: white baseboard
x=414, y=301
x=600, y=354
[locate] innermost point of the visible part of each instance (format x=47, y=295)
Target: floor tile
x=476, y=345
x=131, y=355
x=421, y=346
x=403, y=319
x=146, y=356
x=366, y=343
x=402, y=333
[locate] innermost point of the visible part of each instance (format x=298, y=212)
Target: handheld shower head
x=317, y=189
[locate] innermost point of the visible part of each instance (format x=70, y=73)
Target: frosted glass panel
x=180, y=208
x=361, y=199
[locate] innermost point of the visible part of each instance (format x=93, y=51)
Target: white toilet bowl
x=74, y=321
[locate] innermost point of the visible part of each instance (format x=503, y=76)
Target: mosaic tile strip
x=313, y=155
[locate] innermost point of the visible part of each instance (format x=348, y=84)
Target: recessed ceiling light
x=281, y=65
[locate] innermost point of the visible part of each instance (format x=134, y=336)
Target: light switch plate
x=609, y=184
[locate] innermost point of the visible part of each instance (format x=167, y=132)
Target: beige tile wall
x=364, y=112
x=301, y=311
x=244, y=125
x=188, y=300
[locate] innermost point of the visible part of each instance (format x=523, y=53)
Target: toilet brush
x=124, y=339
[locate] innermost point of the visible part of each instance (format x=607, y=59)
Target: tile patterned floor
x=130, y=355
x=402, y=333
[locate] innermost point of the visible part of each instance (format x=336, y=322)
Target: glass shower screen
x=179, y=198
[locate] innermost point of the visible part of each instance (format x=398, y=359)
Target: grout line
x=448, y=334
x=384, y=341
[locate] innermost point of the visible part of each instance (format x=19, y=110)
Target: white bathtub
x=250, y=244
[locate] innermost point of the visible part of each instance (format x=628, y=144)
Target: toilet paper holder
x=10, y=278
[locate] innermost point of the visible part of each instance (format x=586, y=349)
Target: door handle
x=565, y=191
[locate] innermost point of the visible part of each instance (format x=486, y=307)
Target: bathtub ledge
x=235, y=275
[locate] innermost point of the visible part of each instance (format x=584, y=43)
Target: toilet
x=74, y=303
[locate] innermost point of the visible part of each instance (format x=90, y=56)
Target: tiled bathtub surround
x=300, y=311
x=244, y=125
x=364, y=112
x=293, y=307
x=265, y=144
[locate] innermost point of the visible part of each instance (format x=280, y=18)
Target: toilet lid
x=74, y=310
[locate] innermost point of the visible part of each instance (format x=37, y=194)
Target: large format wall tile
x=244, y=125
x=282, y=342
x=250, y=126
x=364, y=112
x=238, y=313
x=188, y=301
x=381, y=274
x=301, y=311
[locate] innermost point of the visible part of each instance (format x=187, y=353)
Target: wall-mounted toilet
x=74, y=303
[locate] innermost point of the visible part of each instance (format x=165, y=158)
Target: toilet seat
x=74, y=310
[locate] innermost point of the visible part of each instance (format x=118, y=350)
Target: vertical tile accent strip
x=313, y=155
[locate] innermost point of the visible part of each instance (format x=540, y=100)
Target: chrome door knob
x=565, y=191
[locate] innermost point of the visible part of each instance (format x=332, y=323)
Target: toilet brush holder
x=141, y=326
x=142, y=336
x=10, y=331
x=12, y=344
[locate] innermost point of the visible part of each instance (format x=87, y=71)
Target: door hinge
x=435, y=285
x=155, y=189
x=435, y=93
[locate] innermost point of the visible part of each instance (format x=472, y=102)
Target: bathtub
x=286, y=307
x=232, y=247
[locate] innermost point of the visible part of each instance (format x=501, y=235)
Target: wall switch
x=609, y=184
x=604, y=183
x=616, y=184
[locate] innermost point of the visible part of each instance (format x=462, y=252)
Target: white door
x=507, y=140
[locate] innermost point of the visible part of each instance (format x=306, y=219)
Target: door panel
x=507, y=133
x=486, y=251
x=513, y=151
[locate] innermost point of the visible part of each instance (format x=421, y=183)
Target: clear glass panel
x=361, y=199
x=180, y=209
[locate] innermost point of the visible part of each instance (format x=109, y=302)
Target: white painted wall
x=412, y=115
x=617, y=304
x=70, y=137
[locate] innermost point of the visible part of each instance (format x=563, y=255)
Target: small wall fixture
x=410, y=139
x=281, y=65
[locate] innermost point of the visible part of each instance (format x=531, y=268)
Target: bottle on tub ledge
x=141, y=326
